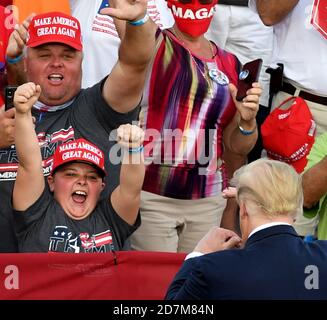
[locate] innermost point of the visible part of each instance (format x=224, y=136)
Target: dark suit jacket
x=274, y=264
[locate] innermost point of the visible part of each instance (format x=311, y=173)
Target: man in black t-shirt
x=68, y=216
x=65, y=112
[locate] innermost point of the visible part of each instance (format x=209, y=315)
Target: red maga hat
x=79, y=150
x=54, y=27
x=288, y=133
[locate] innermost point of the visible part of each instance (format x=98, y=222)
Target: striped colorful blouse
x=184, y=113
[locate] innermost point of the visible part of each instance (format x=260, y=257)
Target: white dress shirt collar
x=268, y=225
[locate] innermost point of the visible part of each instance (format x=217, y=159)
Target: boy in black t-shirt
x=66, y=215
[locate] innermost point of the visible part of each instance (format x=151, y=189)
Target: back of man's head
x=269, y=188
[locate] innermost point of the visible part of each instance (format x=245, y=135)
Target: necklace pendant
x=218, y=77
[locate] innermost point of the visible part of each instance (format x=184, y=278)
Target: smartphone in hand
x=9, y=96
x=249, y=74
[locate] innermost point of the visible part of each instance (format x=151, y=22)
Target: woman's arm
x=241, y=134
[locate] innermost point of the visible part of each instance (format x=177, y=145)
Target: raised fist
x=130, y=136
x=25, y=96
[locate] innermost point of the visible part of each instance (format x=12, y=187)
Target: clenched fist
x=25, y=96
x=130, y=136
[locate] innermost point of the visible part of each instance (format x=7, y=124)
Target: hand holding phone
x=9, y=96
x=249, y=74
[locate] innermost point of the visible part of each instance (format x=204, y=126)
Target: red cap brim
x=54, y=39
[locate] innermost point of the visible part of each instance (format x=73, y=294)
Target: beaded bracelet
x=140, y=21
x=15, y=60
x=246, y=132
x=136, y=150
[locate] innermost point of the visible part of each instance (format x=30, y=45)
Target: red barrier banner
x=123, y=275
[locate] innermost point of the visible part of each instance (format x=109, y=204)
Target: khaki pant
x=303, y=225
x=175, y=225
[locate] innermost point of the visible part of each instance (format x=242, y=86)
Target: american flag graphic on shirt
x=102, y=238
x=63, y=239
x=96, y=240
x=104, y=23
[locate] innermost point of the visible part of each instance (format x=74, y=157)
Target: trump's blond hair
x=270, y=187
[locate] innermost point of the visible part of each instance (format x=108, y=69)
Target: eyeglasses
x=201, y=1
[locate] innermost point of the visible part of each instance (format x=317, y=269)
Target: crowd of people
x=126, y=133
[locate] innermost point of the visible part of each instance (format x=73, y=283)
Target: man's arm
x=29, y=183
x=7, y=127
x=15, y=53
x=314, y=182
x=124, y=86
x=274, y=11
x=15, y=75
x=125, y=198
x=190, y=282
x=120, y=27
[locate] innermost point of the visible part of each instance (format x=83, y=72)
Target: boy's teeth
x=81, y=193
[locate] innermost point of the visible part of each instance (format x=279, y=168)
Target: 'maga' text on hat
x=54, y=30
x=81, y=145
x=80, y=155
x=55, y=20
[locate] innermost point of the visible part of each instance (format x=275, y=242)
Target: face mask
x=192, y=18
